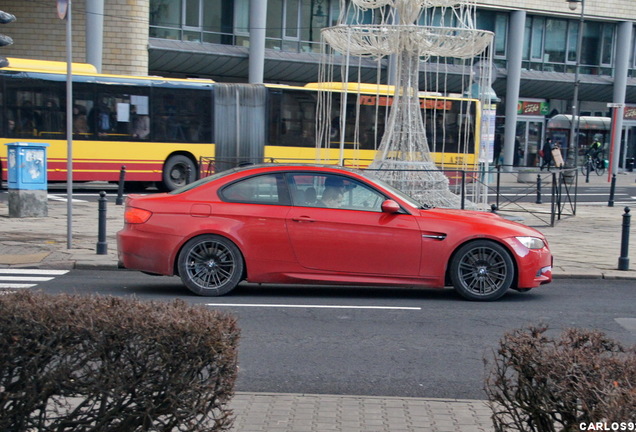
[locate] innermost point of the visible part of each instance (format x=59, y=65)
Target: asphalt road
x=382, y=342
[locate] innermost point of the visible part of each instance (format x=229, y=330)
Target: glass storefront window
x=573, y=34
x=501, y=32
x=274, y=19
x=550, y=44
x=164, y=13
x=526, y=40
x=165, y=19
x=191, y=13
x=556, y=35
x=292, y=11
x=497, y=23
x=607, y=44
x=193, y=20
x=536, y=48
x=590, y=51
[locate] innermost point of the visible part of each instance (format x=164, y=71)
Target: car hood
x=483, y=221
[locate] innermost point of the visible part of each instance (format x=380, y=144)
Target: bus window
x=364, y=122
x=3, y=119
x=117, y=115
x=35, y=109
x=83, y=103
x=101, y=120
x=297, y=117
x=139, y=117
x=180, y=115
x=52, y=119
x=449, y=126
x=371, y=124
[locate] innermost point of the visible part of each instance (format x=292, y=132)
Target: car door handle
x=303, y=219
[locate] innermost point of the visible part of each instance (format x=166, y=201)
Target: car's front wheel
x=482, y=270
x=210, y=265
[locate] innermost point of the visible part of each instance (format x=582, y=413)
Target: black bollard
x=610, y=203
x=188, y=174
x=120, y=189
x=102, y=246
x=623, y=260
x=538, y=201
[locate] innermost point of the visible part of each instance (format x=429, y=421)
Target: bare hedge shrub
x=542, y=384
x=77, y=363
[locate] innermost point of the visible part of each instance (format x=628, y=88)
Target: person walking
x=546, y=154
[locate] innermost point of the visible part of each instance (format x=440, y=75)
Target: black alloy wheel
x=482, y=270
x=210, y=265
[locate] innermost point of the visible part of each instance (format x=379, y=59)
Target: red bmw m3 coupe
x=324, y=225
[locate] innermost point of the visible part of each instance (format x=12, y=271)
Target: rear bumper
x=137, y=250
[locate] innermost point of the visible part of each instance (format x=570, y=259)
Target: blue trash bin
x=27, y=179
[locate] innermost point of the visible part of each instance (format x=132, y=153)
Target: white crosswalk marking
x=64, y=199
x=26, y=278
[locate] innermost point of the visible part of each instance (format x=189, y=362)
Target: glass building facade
x=294, y=26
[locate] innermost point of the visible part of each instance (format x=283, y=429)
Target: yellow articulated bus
x=170, y=131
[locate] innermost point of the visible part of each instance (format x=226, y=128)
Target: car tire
x=210, y=265
x=482, y=270
x=178, y=171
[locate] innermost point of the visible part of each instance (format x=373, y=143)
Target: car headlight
x=531, y=242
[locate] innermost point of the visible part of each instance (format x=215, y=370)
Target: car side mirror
x=390, y=206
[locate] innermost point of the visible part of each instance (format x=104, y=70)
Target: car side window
x=334, y=191
x=263, y=189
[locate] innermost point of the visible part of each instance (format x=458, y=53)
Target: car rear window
x=261, y=189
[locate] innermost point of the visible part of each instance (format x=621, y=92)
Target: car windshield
x=401, y=194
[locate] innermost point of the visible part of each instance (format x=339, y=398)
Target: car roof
x=296, y=167
x=263, y=168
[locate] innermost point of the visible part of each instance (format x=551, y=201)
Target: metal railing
x=562, y=196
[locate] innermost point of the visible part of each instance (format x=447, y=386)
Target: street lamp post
x=572, y=145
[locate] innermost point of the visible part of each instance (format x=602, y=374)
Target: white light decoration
x=411, y=32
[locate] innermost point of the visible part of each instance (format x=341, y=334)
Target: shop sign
x=532, y=108
x=630, y=112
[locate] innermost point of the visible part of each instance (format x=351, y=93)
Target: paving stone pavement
x=586, y=244
x=275, y=412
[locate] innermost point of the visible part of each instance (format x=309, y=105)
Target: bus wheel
x=178, y=171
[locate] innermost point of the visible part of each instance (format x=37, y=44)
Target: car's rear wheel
x=210, y=265
x=482, y=270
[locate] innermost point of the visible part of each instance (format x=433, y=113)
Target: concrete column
x=623, y=45
x=516, y=28
x=95, y=33
x=258, y=21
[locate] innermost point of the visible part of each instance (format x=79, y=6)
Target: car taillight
x=135, y=215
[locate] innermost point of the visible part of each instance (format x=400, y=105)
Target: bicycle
x=595, y=163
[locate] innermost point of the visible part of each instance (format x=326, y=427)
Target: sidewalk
x=276, y=412
x=585, y=245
